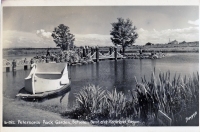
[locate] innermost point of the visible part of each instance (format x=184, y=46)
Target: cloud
x=194, y=22
x=82, y=39
x=36, y=40
x=185, y=34
x=24, y=39
x=42, y=39
x=41, y=33
x=92, y=40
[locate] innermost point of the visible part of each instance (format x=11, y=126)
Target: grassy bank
x=177, y=97
x=40, y=116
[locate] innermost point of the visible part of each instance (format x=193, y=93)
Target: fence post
x=84, y=54
x=97, y=54
x=92, y=51
x=110, y=50
x=115, y=52
x=78, y=51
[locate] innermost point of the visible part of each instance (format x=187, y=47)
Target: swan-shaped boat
x=46, y=77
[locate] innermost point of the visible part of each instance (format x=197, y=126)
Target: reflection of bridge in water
x=18, y=64
x=106, y=56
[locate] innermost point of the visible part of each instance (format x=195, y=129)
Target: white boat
x=46, y=77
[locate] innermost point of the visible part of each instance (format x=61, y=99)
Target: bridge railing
x=16, y=64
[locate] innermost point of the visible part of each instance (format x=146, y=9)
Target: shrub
x=89, y=99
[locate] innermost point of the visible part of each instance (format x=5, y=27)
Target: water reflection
x=97, y=70
x=115, y=71
x=14, y=73
x=92, y=71
x=141, y=65
x=124, y=79
x=124, y=71
x=115, y=75
x=153, y=64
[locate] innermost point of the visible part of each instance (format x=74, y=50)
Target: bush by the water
x=70, y=56
x=177, y=97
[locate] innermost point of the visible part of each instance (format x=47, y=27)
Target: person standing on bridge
x=140, y=51
x=25, y=60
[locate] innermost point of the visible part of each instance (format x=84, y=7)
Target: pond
x=110, y=74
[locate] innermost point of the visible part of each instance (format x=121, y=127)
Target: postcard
x=100, y=65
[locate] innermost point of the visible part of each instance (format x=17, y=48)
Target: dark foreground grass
x=55, y=108
x=177, y=97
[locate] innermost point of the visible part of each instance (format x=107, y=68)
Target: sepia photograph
x=100, y=66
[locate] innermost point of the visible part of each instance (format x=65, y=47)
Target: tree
x=123, y=33
x=148, y=43
x=62, y=37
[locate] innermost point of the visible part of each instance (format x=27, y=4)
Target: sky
x=91, y=25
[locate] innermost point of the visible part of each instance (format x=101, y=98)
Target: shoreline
x=7, y=57
x=126, y=52
x=128, y=56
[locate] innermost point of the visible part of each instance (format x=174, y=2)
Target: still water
x=110, y=74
